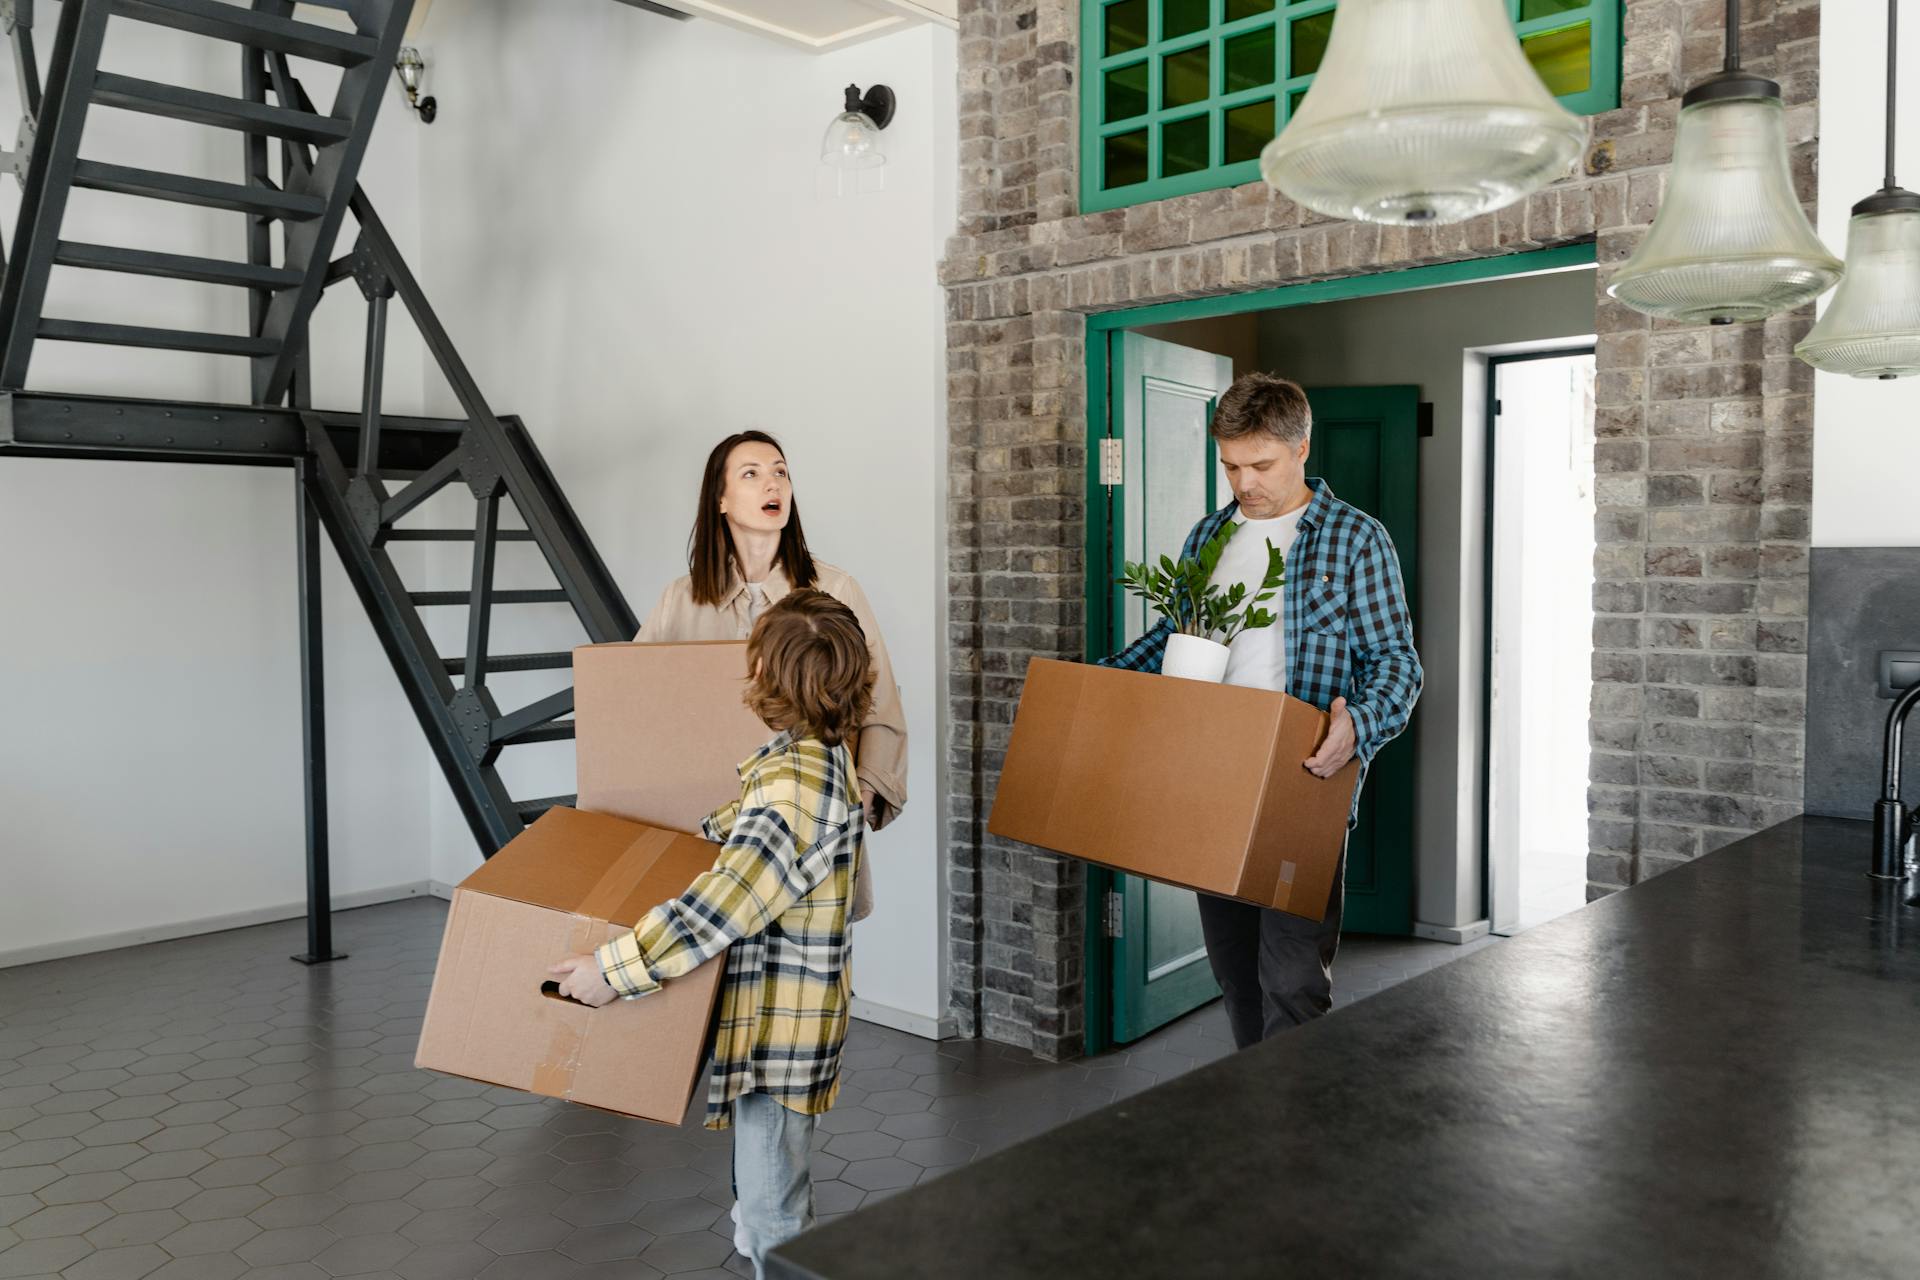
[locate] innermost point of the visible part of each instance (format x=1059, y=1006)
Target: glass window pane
x=1293, y=101
x=1309, y=43
x=1564, y=59
x=1248, y=129
x=1126, y=92
x=1126, y=159
x=1184, y=77
x=1182, y=17
x=1249, y=60
x=1530, y=9
x=1183, y=146
x=1126, y=26
x=1238, y=9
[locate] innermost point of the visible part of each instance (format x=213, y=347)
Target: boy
x=779, y=895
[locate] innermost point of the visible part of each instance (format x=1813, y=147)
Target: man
x=1343, y=642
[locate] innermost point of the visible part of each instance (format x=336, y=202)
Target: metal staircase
x=343, y=460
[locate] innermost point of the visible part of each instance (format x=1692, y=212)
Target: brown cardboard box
x=1180, y=781
x=567, y=884
x=660, y=730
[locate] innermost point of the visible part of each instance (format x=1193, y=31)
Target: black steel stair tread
x=550, y=596
x=531, y=809
x=245, y=26
x=514, y=662
x=266, y=201
x=174, y=266
x=551, y=731
x=454, y=535
x=129, y=335
x=198, y=107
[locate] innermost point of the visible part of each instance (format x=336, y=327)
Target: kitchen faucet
x=1892, y=821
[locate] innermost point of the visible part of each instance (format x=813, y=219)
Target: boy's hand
x=581, y=979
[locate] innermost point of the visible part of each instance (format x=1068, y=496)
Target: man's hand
x=870, y=801
x=581, y=979
x=1338, y=748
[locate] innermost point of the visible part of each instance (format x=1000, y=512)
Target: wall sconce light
x=853, y=139
x=413, y=70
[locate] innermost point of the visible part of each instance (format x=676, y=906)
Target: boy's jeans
x=772, y=1176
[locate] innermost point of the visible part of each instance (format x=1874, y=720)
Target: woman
x=747, y=551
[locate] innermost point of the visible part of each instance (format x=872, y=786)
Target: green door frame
x=1098, y=623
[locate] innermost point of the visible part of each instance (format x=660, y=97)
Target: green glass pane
x=1182, y=17
x=1249, y=60
x=1184, y=77
x=1531, y=9
x=1126, y=159
x=1248, y=129
x=1238, y=9
x=1126, y=92
x=1309, y=43
x=1126, y=26
x=1564, y=59
x=1294, y=100
x=1183, y=146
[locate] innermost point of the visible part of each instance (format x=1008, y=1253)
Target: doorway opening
x=1397, y=369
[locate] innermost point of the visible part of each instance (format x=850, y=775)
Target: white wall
x=150, y=759
x=1866, y=433
x=631, y=244
x=1435, y=338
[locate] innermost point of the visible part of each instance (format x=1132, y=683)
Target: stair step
x=225, y=21
x=551, y=731
x=266, y=201
x=455, y=535
x=129, y=335
x=554, y=596
x=531, y=809
x=174, y=266
x=218, y=110
x=513, y=662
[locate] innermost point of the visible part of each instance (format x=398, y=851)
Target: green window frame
x=1178, y=96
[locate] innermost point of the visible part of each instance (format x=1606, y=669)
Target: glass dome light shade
x=1871, y=328
x=1730, y=243
x=852, y=142
x=1421, y=113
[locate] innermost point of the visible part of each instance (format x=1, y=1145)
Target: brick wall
x=1703, y=458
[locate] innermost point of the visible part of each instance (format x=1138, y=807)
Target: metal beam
x=313, y=724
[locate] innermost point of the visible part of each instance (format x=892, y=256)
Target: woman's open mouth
x=771, y=508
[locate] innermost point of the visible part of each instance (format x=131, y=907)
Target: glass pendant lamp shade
x=853, y=139
x=1871, y=329
x=1421, y=113
x=1730, y=242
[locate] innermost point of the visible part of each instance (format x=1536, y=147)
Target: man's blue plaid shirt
x=1349, y=632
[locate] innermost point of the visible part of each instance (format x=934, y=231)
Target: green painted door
x=1366, y=446
x=1162, y=398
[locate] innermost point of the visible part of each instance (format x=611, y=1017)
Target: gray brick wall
x=1703, y=455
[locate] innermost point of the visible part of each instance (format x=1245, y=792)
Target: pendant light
x=1871, y=329
x=1730, y=242
x=1422, y=113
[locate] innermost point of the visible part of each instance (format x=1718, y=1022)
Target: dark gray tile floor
x=206, y=1110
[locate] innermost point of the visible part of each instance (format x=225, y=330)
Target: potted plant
x=1205, y=616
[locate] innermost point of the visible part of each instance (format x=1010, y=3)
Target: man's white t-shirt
x=1257, y=659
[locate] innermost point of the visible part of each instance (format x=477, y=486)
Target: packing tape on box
x=611, y=891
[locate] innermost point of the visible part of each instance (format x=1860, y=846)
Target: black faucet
x=1892, y=820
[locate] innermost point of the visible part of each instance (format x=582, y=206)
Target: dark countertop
x=1716, y=1073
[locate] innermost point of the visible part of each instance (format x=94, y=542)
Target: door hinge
x=1116, y=912
x=1111, y=463
x=1496, y=408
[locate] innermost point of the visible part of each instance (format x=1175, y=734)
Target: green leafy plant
x=1184, y=593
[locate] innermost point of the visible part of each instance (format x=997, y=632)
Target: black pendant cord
x=1731, y=82
x=1893, y=52
x=1733, y=35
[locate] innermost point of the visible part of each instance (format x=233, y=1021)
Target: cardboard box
x=569, y=883
x=1193, y=784
x=660, y=730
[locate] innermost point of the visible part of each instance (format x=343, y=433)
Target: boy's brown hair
x=810, y=671
x=1261, y=402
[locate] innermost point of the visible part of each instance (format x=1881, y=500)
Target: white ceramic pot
x=1192, y=658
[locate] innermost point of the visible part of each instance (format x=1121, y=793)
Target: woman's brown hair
x=811, y=672
x=710, y=550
